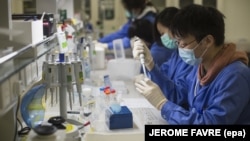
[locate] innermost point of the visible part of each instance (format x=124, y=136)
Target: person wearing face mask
x=160, y=54
x=218, y=84
x=135, y=9
x=173, y=68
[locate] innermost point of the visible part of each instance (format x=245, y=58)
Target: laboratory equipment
x=99, y=58
x=56, y=129
x=48, y=21
x=87, y=67
x=106, y=96
x=118, y=49
x=107, y=82
x=142, y=59
x=111, y=98
x=63, y=88
x=61, y=37
x=44, y=130
x=57, y=74
x=63, y=74
x=78, y=73
x=32, y=109
x=87, y=54
x=117, y=116
x=114, y=102
x=44, y=75
x=68, y=74
x=123, y=69
x=90, y=48
x=32, y=30
x=70, y=36
x=120, y=120
x=89, y=101
x=51, y=74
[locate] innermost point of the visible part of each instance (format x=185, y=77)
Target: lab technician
x=143, y=29
x=175, y=68
x=135, y=9
x=163, y=47
x=219, y=86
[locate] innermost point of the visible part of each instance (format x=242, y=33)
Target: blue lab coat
x=160, y=54
x=122, y=33
x=175, y=70
x=225, y=100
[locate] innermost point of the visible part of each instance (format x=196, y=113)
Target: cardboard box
x=32, y=31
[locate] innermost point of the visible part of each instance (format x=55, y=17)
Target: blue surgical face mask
x=167, y=42
x=188, y=55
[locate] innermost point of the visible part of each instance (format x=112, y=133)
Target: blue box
x=120, y=120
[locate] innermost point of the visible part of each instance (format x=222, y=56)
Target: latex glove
x=139, y=47
x=138, y=78
x=151, y=92
x=132, y=40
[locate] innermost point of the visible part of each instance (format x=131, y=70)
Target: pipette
x=68, y=68
x=53, y=77
x=45, y=74
x=77, y=65
x=142, y=59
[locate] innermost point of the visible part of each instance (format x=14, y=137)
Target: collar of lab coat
x=146, y=11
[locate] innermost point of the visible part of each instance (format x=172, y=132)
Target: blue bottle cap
x=61, y=57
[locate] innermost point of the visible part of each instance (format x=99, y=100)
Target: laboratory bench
x=142, y=111
x=23, y=67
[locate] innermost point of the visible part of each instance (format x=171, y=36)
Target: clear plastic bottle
x=107, y=96
x=100, y=99
x=114, y=102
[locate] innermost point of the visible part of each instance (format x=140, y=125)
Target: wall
x=17, y=6
x=109, y=25
x=236, y=22
x=237, y=19
x=236, y=12
x=69, y=5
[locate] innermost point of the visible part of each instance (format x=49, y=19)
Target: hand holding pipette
x=142, y=52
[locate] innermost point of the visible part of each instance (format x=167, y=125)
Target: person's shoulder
x=236, y=69
x=160, y=48
x=237, y=66
x=155, y=46
x=148, y=13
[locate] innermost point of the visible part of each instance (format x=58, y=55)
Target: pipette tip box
x=120, y=120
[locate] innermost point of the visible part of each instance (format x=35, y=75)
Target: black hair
x=143, y=29
x=165, y=18
x=199, y=21
x=132, y=4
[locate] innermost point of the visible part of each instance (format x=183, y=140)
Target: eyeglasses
x=183, y=45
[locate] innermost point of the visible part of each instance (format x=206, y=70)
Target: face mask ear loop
x=198, y=46
x=203, y=51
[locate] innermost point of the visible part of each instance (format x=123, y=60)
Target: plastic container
x=118, y=49
x=32, y=108
x=61, y=37
x=114, y=102
x=125, y=69
x=99, y=60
